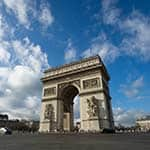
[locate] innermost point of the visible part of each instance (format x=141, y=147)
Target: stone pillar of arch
x=89, y=79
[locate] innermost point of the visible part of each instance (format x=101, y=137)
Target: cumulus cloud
x=21, y=65
x=137, y=31
x=4, y=55
x=20, y=89
x=102, y=46
x=29, y=54
x=134, y=31
x=70, y=52
x=26, y=10
x=20, y=9
x=126, y=117
x=133, y=88
x=4, y=45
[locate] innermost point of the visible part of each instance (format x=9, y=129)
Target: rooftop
x=144, y=118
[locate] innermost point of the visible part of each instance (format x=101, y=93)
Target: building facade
x=144, y=123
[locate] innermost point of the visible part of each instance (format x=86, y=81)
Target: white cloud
x=45, y=16
x=70, y=52
x=126, y=117
x=31, y=102
x=4, y=55
x=139, y=82
x=134, y=34
x=20, y=78
x=26, y=12
x=5, y=30
x=3, y=79
x=20, y=88
x=21, y=65
x=133, y=89
x=22, y=113
x=20, y=9
x=106, y=50
x=137, y=39
x=4, y=45
x=29, y=54
x=110, y=13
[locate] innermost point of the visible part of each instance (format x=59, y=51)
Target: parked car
x=105, y=130
x=5, y=130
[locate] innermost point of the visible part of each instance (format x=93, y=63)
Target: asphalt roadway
x=124, y=141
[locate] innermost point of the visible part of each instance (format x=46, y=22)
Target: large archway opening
x=70, y=96
x=76, y=109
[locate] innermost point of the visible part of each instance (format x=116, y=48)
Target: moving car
x=5, y=130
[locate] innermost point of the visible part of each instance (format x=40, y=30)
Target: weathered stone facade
x=89, y=79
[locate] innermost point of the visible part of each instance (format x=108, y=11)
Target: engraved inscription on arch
x=49, y=91
x=91, y=83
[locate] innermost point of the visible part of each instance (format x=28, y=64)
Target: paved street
x=75, y=142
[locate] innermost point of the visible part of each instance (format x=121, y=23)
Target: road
x=75, y=142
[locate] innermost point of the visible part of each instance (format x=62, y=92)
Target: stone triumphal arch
x=88, y=78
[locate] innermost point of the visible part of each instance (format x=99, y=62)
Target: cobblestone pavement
x=134, y=141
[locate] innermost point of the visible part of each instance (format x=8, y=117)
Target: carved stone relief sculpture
x=49, y=112
x=49, y=91
x=91, y=83
x=92, y=107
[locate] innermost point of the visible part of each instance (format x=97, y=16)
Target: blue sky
x=38, y=34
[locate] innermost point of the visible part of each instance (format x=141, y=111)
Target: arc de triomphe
x=89, y=79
